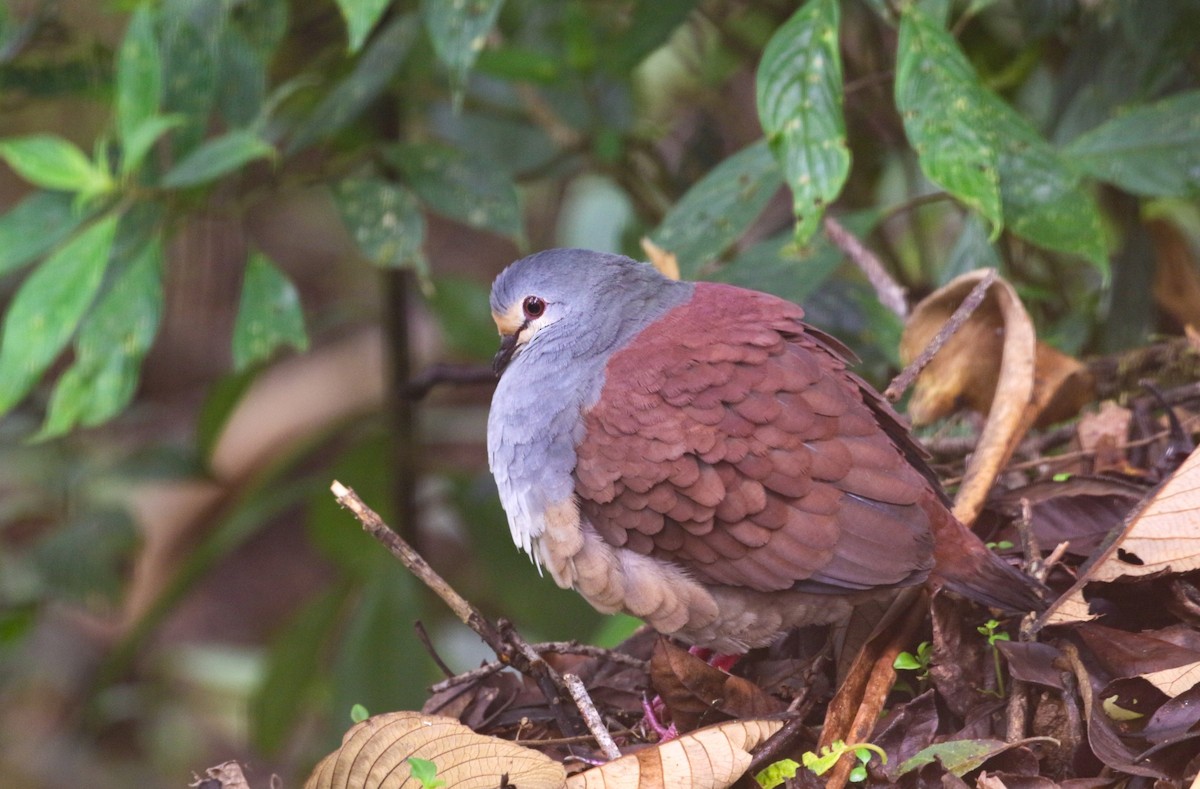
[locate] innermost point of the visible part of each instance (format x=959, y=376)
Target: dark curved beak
x=508, y=346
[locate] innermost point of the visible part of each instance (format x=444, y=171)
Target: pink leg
x=652, y=709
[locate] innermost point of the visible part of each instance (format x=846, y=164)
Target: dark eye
x=534, y=307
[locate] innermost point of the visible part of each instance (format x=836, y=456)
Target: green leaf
x=359, y=713
x=384, y=220
x=461, y=308
x=48, y=307
x=458, y=30
x=139, y=74
x=217, y=157
x=35, y=225
x=375, y=69
x=269, y=314
x=941, y=102
x=959, y=757
x=906, y=661
x=361, y=16
x=651, y=24
x=799, y=89
x=110, y=346
x=717, y=210
x=1152, y=150
x=461, y=186
x=143, y=136
x=777, y=773
x=54, y=163
x=425, y=771
x=243, y=86
x=293, y=667
x=190, y=82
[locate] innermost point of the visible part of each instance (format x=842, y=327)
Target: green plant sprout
x=919, y=662
x=990, y=630
x=425, y=771
x=819, y=764
x=1002, y=545
x=359, y=713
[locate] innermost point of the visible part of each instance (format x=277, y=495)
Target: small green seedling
x=907, y=661
x=775, y=774
x=358, y=713
x=990, y=629
x=425, y=771
x=1003, y=545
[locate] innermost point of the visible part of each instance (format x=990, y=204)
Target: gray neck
x=536, y=422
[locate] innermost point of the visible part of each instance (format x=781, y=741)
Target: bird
x=696, y=455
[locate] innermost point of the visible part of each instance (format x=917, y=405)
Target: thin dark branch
x=891, y=294
x=454, y=374
x=423, y=637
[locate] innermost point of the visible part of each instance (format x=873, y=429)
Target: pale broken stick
x=508, y=645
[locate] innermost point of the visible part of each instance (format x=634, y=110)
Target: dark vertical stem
x=398, y=287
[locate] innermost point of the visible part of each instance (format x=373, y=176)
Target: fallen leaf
x=1103, y=434
x=960, y=757
x=374, y=755
x=988, y=364
x=1160, y=538
x=695, y=692
x=710, y=758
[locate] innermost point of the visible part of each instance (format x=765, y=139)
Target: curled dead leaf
x=988, y=363
x=709, y=758
x=696, y=693
x=374, y=755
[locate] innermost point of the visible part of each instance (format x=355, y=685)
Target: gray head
x=577, y=300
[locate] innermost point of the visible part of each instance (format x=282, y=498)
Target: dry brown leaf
x=1176, y=279
x=1103, y=434
x=1161, y=537
x=989, y=363
x=229, y=775
x=696, y=693
x=374, y=755
x=710, y=758
x=666, y=262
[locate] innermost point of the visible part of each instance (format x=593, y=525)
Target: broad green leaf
x=717, y=210
x=48, y=307
x=269, y=314
x=54, y=163
x=959, y=757
x=219, y=404
x=650, y=25
x=292, y=669
x=109, y=349
x=190, y=82
x=243, y=86
x=384, y=219
x=461, y=308
x=1044, y=200
x=139, y=74
x=218, y=157
x=140, y=139
x=375, y=69
x=264, y=23
x=799, y=88
x=972, y=250
x=941, y=102
x=517, y=64
x=777, y=265
x=361, y=16
x=461, y=186
x=458, y=30
x=35, y=225
x=1152, y=150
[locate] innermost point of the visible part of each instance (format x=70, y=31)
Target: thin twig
x=891, y=294
x=423, y=637
x=557, y=647
x=456, y=374
x=508, y=645
x=591, y=716
x=467, y=677
x=904, y=380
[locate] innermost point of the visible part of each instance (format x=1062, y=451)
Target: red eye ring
x=534, y=307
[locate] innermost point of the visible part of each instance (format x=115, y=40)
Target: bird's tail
x=963, y=564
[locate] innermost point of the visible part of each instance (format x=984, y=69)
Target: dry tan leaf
x=666, y=262
x=1161, y=537
x=228, y=774
x=709, y=758
x=374, y=755
x=1103, y=434
x=990, y=363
